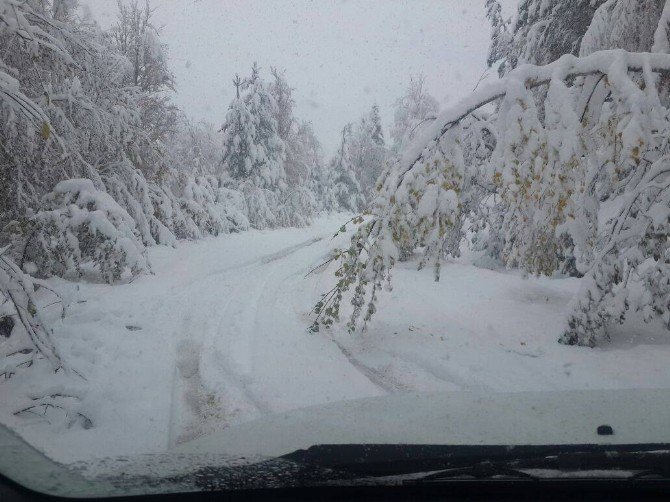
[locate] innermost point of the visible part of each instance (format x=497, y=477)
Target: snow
x=600, y=62
x=84, y=232
x=217, y=336
x=453, y=418
x=661, y=39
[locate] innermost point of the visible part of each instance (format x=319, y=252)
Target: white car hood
x=454, y=418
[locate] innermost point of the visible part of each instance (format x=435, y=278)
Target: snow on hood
x=454, y=418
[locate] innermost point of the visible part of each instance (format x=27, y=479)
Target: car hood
x=636, y=416
x=290, y=448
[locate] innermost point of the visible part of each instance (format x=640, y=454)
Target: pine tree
x=367, y=151
x=376, y=125
x=542, y=32
x=267, y=151
x=344, y=191
x=623, y=24
x=239, y=136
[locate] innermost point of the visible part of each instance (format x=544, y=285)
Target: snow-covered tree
x=367, y=151
x=500, y=32
x=413, y=111
x=268, y=151
x=239, y=136
x=343, y=190
x=138, y=39
x=282, y=93
x=83, y=232
x=623, y=24
x=195, y=148
x=271, y=155
x=376, y=126
x=542, y=31
x=296, y=136
x=303, y=196
x=65, y=111
x=253, y=149
x=581, y=177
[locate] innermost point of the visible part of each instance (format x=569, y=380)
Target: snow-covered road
x=218, y=336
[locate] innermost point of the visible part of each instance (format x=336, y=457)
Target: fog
x=341, y=56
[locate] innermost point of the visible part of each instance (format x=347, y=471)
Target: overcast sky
x=339, y=55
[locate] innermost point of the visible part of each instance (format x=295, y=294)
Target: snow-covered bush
x=130, y=189
x=581, y=181
x=168, y=210
x=262, y=206
x=214, y=210
x=235, y=208
x=83, y=232
x=297, y=208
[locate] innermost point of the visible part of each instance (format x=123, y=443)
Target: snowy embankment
x=218, y=336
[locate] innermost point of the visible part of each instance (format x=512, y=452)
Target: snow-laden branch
x=568, y=66
x=19, y=290
x=573, y=192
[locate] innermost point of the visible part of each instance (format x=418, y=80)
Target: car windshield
x=241, y=239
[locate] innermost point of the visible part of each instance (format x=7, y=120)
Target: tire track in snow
x=245, y=322
x=270, y=354
x=234, y=396
x=388, y=383
x=379, y=378
x=261, y=260
x=440, y=372
x=238, y=379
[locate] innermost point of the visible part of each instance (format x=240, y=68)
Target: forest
x=555, y=171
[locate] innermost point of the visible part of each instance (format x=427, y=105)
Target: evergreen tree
x=267, y=151
x=282, y=93
x=544, y=30
x=367, y=151
x=623, y=24
x=376, y=125
x=344, y=191
x=500, y=35
x=239, y=137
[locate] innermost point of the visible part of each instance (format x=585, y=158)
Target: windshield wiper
x=483, y=470
x=487, y=461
